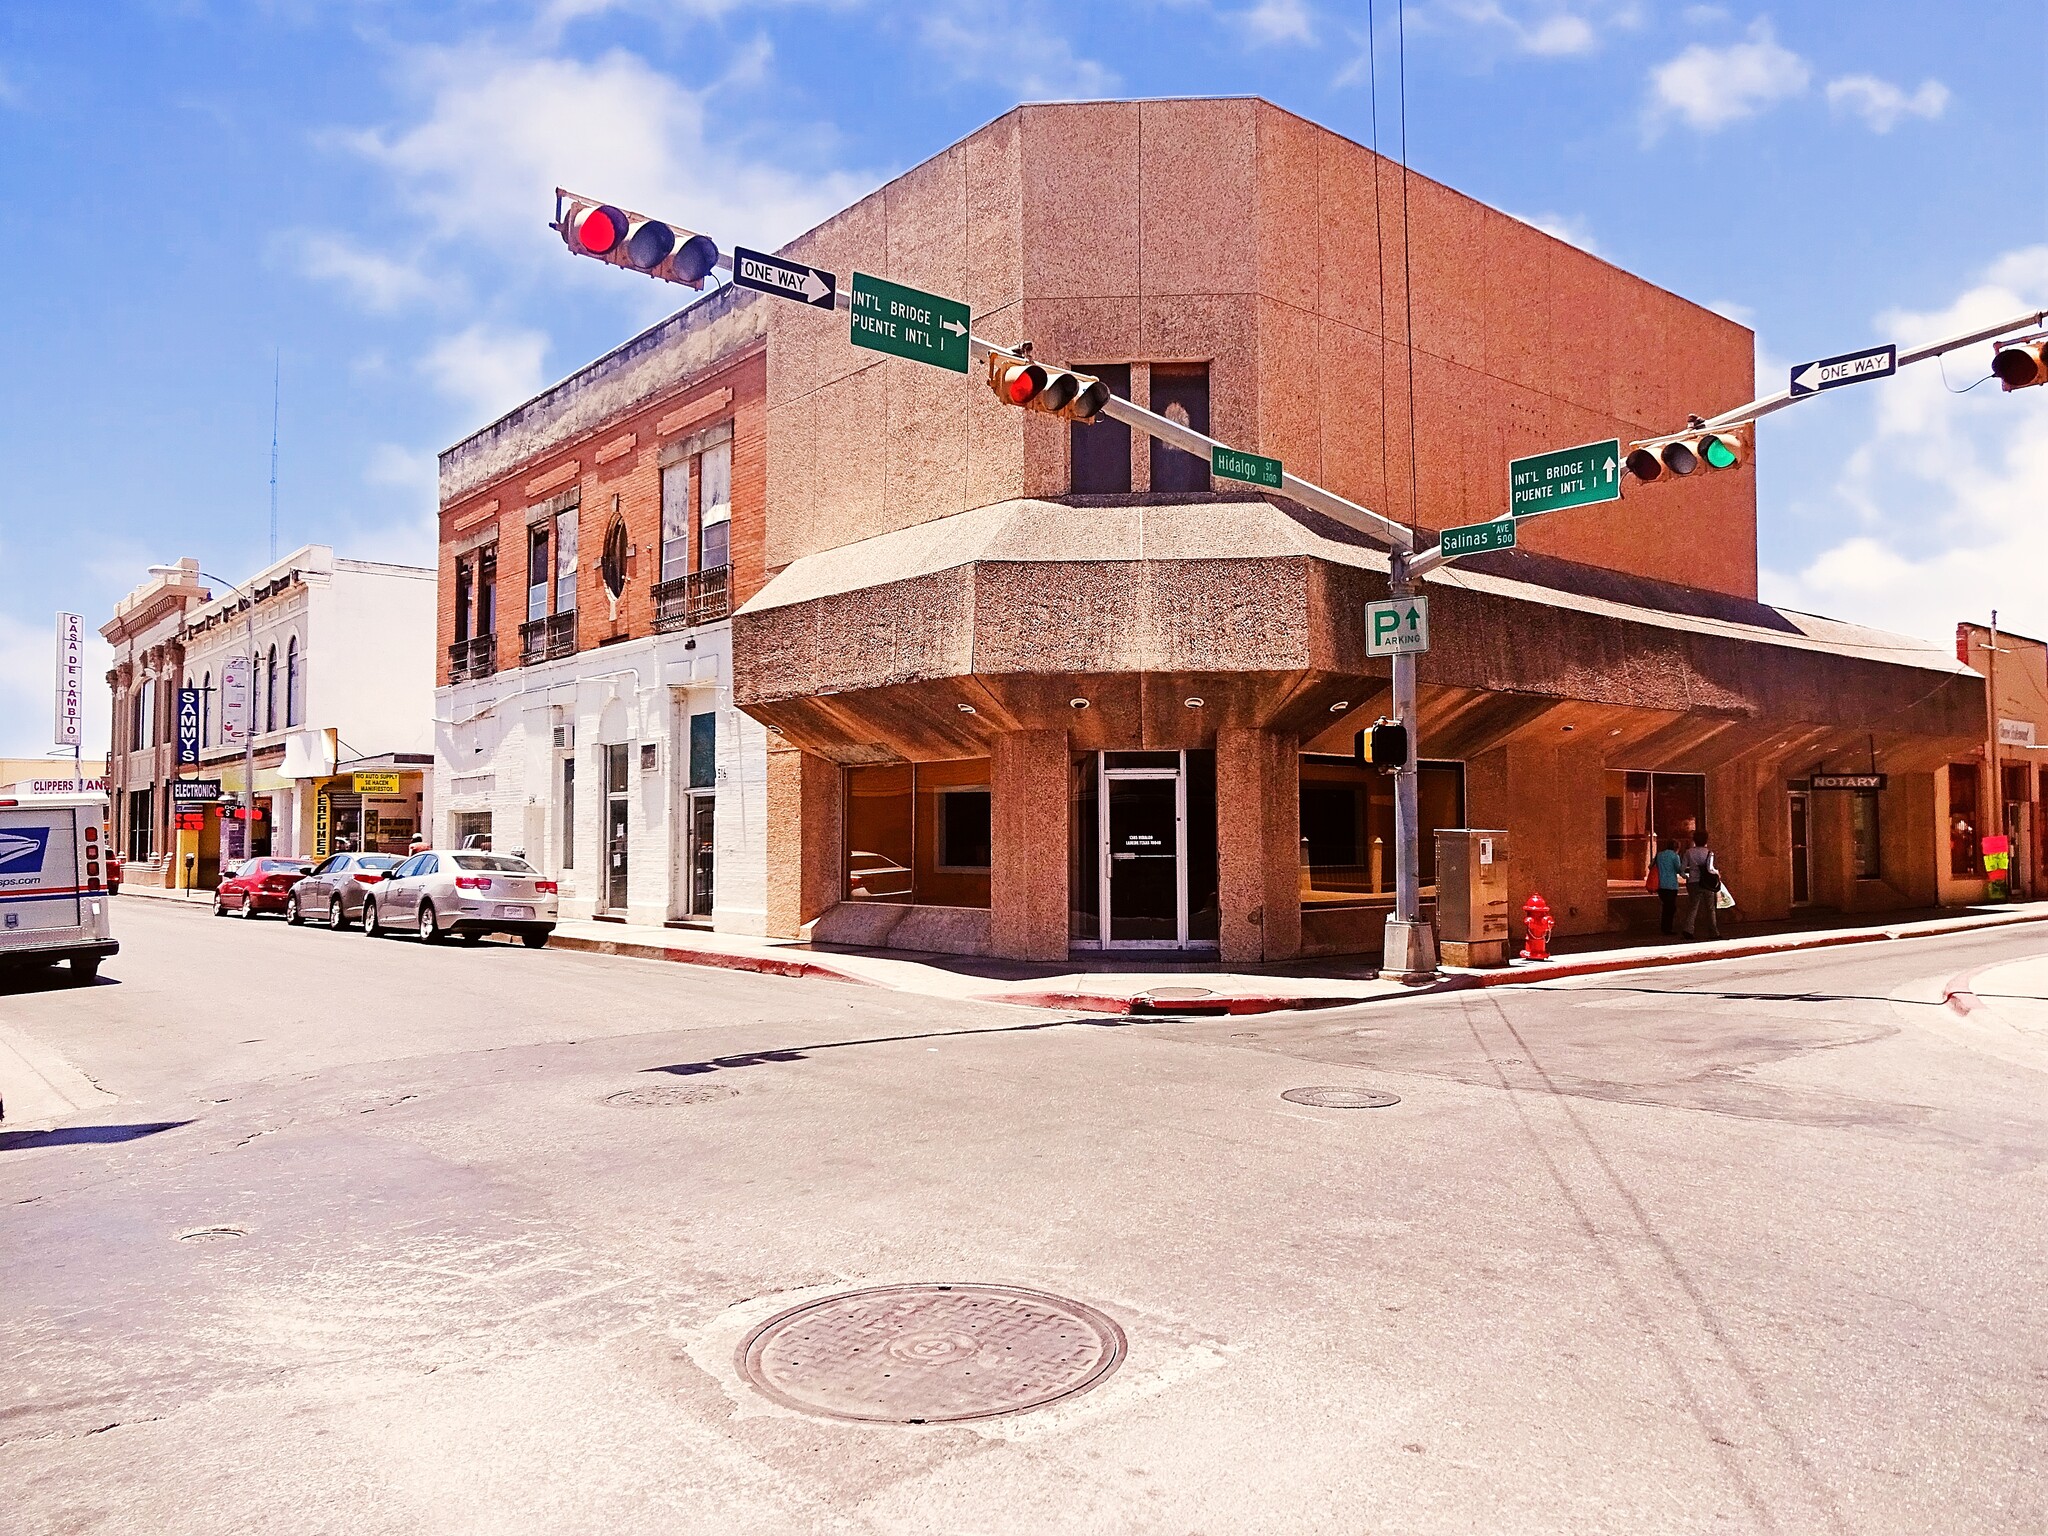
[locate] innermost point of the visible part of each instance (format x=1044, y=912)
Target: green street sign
x=907, y=322
x=1477, y=538
x=1249, y=467
x=1565, y=477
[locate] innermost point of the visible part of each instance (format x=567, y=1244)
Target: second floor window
x=270, y=691
x=536, y=572
x=1180, y=392
x=294, y=684
x=675, y=520
x=206, y=710
x=465, y=596
x=714, y=541
x=1100, y=451
x=565, y=561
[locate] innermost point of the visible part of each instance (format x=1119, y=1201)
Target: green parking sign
x=1397, y=624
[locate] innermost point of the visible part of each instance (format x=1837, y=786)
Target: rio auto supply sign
x=70, y=678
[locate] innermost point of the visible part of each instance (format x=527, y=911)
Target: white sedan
x=469, y=893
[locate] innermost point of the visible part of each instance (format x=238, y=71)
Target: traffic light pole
x=1408, y=949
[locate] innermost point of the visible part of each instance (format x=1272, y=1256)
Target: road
x=1748, y=1246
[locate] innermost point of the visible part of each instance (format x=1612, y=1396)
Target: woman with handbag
x=1702, y=887
x=1663, y=879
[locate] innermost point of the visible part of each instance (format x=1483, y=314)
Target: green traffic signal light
x=1719, y=453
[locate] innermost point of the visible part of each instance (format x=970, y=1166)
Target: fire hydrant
x=1536, y=925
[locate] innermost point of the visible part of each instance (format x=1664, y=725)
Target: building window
x=1180, y=392
x=294, y=684
x=487, y=591
x=1347, y=827
x=675, y=520
x=565, y=561
x=1099, y=452
x=206, y=711
x=1963, y=826
x=714, y=539
x=1863, y=833
x=536, y=572
x=1644, y=810
x=465, y=583
x=270, y=691
x=704, y=751
x=612, y=560
x=569, y=812
x=903, y=826
x=138, y=716
x=141, y=825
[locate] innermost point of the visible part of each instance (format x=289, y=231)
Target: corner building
x=997, y=684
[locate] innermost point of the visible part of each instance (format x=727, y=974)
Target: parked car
x=333, y=893
x=469, y=893
x=116, y=865
x=258, y=885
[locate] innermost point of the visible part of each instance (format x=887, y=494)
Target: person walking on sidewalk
x=1702, y=888
x=1665, y=866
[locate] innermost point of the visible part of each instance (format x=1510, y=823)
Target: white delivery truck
x=53, y=897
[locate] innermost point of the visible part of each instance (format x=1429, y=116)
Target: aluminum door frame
x=1801, y=801
x=1103, y=774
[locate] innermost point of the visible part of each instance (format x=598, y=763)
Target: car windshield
x=500, y=863
x=377, y=861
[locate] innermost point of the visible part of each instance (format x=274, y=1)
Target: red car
x=259, y=885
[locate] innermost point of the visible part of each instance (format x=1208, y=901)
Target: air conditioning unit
x=565, y=735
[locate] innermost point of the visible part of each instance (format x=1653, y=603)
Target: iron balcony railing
x=545, y=639
x=475, y=657
x=702, y=597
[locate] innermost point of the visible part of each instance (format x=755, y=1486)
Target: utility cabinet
x=1472, y=896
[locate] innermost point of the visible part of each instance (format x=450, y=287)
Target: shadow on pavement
x=83, y=1135
x=48, y=978
x=798, y=1053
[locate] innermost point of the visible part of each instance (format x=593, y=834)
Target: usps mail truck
x=53, y=897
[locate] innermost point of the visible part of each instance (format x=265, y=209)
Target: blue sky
x=360, y=190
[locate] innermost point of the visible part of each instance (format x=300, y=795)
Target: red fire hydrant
x=1536, y=925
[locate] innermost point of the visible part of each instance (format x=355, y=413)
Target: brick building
x=1032, y=688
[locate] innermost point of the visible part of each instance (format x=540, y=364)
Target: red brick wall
x=631, y=442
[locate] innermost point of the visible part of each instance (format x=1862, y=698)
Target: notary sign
x=1229, y=464
x=1847, y=781
x=1477, y=538
x=908, y=322
x=1397, y=624
x=1565, y=477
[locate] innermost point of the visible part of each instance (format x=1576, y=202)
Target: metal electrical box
x=1472, y=896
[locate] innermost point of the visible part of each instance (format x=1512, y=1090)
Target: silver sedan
x=335, y=891
x=468, y=892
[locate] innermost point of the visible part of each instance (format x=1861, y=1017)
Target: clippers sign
x=70, y=678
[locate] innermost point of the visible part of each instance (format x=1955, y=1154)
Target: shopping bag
x=1650, y=881
x=1722, y=899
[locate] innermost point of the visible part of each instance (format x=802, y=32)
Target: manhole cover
x=1341, y=1098
x=930, y=1354
x=212, y=1234
x=663, y=1096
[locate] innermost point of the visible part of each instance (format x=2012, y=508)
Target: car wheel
x=370, y=928
x=534, y=940
x=248, y=906
x=291, y=909
x=337, y=919
x=84, y=967
x=220, y=906
x=430, y=931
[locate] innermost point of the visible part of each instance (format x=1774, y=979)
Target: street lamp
x=249, y=723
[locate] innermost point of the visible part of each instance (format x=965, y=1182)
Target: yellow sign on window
x=376, y=783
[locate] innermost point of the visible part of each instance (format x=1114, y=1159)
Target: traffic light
x=632, y=240
x=1017, y=380
x=2020, y=364
x=1383, y=745
x=1684, y=453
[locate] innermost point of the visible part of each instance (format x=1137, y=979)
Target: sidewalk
x=1142, y=984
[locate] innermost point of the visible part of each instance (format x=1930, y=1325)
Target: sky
x=355, y=193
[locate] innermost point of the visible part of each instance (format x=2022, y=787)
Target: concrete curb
x=722, y=959
x=1213, y=1007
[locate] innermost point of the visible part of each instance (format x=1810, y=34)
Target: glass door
x=615, y=827
x=703, y=825
x=1144, y=852
x=1802, y=860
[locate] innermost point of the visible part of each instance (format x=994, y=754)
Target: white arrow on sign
x=954, y=326
x=1609, y=467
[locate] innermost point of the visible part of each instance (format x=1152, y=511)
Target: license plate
x=515, y=911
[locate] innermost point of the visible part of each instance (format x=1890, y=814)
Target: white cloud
x=378, y=282
x=1274, y=22
x=1547, y=28
x=1881, y=104
x=1568, y=227
x=1004, y=42
x=402, y=468
x=28, y=686
x=1941, y=503
x=1708, y=88
x=489, y=371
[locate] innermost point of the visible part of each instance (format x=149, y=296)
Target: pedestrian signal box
x=1384, y=744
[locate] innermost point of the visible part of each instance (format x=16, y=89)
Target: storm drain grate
x=212, y=1234
x=1341, y=1098
x=930, y=1354
x=665, y=1096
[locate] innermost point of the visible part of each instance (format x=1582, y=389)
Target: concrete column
x=804, y=838
x=1258, y=845
x=1555, y=797
x=1030, y=810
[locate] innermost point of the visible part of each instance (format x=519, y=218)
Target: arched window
x=270, y=693
x=206, y=710
x=294, y=700
x=613, y=564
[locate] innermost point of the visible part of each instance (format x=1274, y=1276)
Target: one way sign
x=1849, y=368
x=784, y=279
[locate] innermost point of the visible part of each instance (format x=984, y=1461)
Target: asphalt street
x=1745, y=1246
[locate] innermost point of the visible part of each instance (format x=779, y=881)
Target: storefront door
x=615, y=851
x=1802, y=857
x=1144, y=855
x=703, y=825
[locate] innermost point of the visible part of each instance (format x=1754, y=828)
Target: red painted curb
x=1116, y=1002
x=724, y=960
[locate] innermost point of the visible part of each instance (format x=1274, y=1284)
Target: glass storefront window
x=1347, y=827
x=919, y=833
x=1963, y=826
x=1643, y=809
x=1863, y=833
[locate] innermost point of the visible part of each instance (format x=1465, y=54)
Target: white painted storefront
x=665, y=771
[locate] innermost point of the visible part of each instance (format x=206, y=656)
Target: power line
x=276, y=379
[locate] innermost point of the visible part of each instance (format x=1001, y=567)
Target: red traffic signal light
x=1017, y=380
x=1664, y=458
x=2021, y=364
x=623, y=238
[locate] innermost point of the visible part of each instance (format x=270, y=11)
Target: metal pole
x=249, y=744
x=1408, y=950
x=1996, y=788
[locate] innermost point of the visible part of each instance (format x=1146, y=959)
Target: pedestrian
x=1702, y=888
x=1665, y=867
x=418, y=843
